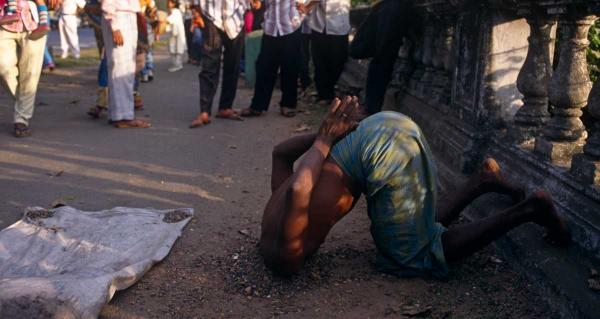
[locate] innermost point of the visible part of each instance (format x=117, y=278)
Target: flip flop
x=232, y=115
x=249, y=112
x=21, y=130
x=200, y=123
x=131, y=124
x=94, y=112
x=288, y=112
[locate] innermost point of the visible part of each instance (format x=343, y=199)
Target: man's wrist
x=323, y=144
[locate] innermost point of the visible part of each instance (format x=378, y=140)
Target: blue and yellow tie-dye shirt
x=388, y=156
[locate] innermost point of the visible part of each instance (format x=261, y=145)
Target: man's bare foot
x=131, y=124
x=545, y=215
x=201, y=120
x=489, y=179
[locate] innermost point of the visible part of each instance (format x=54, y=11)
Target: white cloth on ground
x=121, y=65
x=177, y=44
x=67, y=263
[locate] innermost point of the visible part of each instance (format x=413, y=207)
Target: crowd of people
x=211, y=32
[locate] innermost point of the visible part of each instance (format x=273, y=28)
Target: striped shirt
x=226, y=15
x=281, y=17
x=331, y=17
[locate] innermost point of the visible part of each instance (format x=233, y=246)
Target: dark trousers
x=282, y=52
x=329, y=53
x=216, y=43
x=187, y=24
x=305, y=79
x=380, y=37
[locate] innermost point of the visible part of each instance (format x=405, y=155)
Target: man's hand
x=340, y=120
x=117, y=38
x=306, y=8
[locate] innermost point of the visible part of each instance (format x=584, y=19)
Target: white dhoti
x=121, y=66
x=69, y=39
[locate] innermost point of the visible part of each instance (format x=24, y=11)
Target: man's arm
x=109, y=10
x=294, y=222
x=285, y=154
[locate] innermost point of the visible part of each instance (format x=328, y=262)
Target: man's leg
x=486, y=180
x=465, y=239
x=121, y=67
x=9, y=63
x=267, y=65
x=30, y=68
x=231, y=68
x=290, y=53
x=62, y=31
x=73, y=37
x=336, y=58
x=211, y=67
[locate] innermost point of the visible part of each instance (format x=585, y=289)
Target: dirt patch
x=176, y=216
x=36, y=214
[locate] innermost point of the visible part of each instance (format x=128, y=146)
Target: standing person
x=67, y=27
x=330, y=24
x=119, y=29
x=48, y=60
x=177, y=41
x=305, y=79
x=222, y=35
x=195, y=49
x=21, y=61
x=380, y=37
x=280, y=49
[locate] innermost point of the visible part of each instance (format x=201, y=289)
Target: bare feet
x=545, y=215
x=489, y=179
x=201, y=120
x=131, y=124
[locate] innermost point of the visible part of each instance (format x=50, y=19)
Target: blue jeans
x=103, y=73
x=47, y=57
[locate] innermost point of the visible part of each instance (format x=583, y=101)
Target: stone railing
x=509, y=79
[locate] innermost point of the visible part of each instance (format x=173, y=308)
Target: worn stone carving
x=586, y=166
x=564, y=135
x=427, y=58
x=534, y=78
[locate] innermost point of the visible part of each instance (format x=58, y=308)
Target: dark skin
x=307, y=202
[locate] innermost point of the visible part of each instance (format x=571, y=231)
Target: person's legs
x=463, y=240
x=9, y=63
x=267, y=65
x=72, y=36
x=319, y=47
x=211, y=67
x=30, y=68
x=121, y=68
x=231, y=68
x=305, y=80
x=62, y=31
x=290, y=53
x=336, y=60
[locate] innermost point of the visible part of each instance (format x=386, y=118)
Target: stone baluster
x=534, y=77
x=404, y=67
x=418, y=67
x=586, y=166
x=448, y=60
x=437, y=62
x=570, y=85
x=427, y=57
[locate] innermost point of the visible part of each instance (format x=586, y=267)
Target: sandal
x=250, y=112
x=286, y=112
x=21, y=130
x=131, y=124
x=201, y=120
x=229, y=114
x=95, y=112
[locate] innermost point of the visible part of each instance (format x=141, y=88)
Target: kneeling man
x=386, y=158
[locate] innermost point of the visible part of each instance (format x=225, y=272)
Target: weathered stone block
x=558, y=152
x=586, y=169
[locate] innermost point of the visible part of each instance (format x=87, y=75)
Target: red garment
x=248, y=21
x=26, y=23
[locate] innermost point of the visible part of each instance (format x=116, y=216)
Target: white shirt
x=331, y=17
x=281, y=17
x=69, y=7
x=226, y=15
